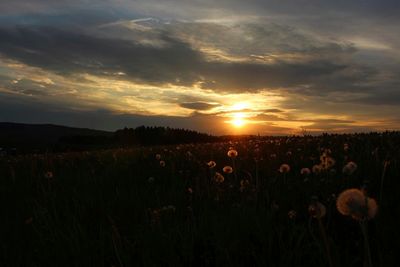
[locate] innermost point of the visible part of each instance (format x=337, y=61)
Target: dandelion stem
x=382, y=179
x=257, y=183
x=317, y=241
x=325, y=239
x=367, y=252
x=234, y=170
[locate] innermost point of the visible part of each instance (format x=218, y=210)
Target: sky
x=263, y=67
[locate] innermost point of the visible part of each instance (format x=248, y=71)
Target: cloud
x=176, y=63
x=272, y=110
x=198, y=105
x=332, y=59
x=66, y=53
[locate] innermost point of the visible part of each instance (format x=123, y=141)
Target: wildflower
x=158, y=156
x=292, y=214
x=190, y=190
x=305, y=171
x=162, y=163
x=211, y=164
x=354, y=203
x=284, y=168
x=48, y=175
x=232, y=153
x=317, y=210
x=227, y=169
x=350, y=168
x=219, y=178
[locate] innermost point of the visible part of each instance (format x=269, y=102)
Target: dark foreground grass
x=122, y=208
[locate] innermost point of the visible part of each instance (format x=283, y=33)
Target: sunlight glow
x=238, y=120
x=240, y=106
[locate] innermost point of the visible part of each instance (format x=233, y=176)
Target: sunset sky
x=221, y=67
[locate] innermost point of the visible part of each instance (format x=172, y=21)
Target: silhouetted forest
x=160, y=136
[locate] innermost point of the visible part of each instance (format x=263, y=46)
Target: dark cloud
x=67, y=53
x=239, y=77
x=388, y=98
x=28, y=87
x=268, y=117
x=198, y=105
x=176, y=63
x=272, y=110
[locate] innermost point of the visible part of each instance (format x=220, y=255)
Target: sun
x=238, y=120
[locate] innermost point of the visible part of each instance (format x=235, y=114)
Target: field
x=168, y=206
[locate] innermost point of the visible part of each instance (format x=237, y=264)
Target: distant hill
x=27, y=138
x=40, y=135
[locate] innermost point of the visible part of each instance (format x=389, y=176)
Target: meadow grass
x=121, y=207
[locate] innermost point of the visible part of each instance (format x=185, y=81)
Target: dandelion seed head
x=219, y=178
x=48, y=175
x=305, y=171
x=211, y=164
x=232, y=153
x=244, y=184
x=350, y=168
x=292, y=214
x=329, y=162
x=346, y=147
x=284, y=168
x=317, y=169
x=353, y=202
x=317, y=210
x=227, y=169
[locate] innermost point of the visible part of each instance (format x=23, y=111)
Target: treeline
x=15, y=139
x=160, y=136
x=139, y=136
